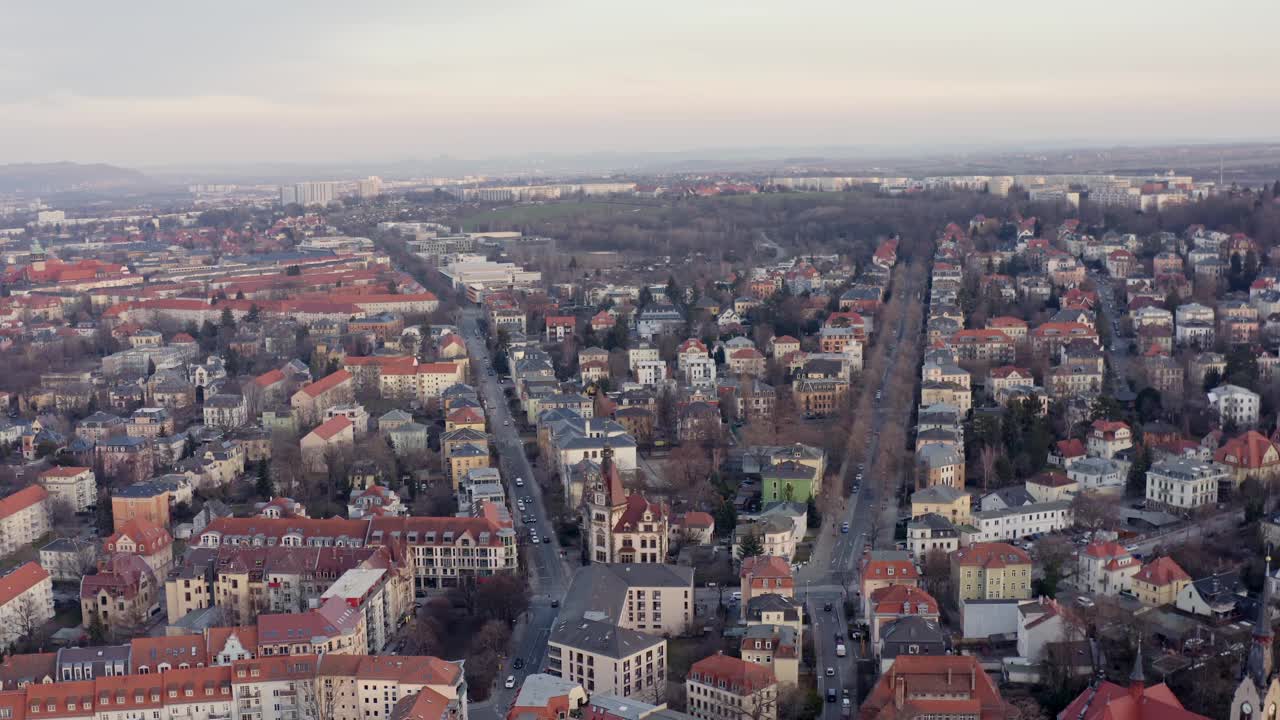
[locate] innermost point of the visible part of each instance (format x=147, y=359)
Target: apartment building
x=26, y=602
x=608, y=659
x=930, y=686
x=1013, y=523
x=1107, y=568
x=1159, y=582
x=310, y=402
x=1184, y=485
x=721, y=687
x=991, y=571
x=77, y=487
x=645, y=597
x=24, y=518
x=423, y=382
x=441, y=550
x=1236, y=405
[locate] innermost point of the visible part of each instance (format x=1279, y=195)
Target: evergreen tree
x=674, y=295
x=750, y=546
x=228, y=320
x=265, y=488
x=726, y=517
x=253, y=314
x=97, y=631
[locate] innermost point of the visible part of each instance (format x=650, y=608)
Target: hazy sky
x=146, y=83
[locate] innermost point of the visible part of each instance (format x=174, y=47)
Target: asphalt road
x=1118, y=353
x=832, y=567
x=548, y=573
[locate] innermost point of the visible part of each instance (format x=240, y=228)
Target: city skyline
x=161, y=86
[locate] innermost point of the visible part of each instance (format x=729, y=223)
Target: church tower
x=605, y=501
x=1257, y=697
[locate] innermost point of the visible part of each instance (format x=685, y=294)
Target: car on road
x=844, y=527
x=546, y=539
x=519, y=482
x=831, y=693
x=506, y=423
x=491, y=373
x=510, y=683
x=827, y=607
x=555, y=603
x=856, y=487
x=736, y=596
x=831, y=672
x=519, y=663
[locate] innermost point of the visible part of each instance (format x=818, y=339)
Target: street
x=832, y=567
x=548, y=573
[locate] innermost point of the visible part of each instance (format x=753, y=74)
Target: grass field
x=523, y=214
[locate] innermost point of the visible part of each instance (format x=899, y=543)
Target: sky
x=144, y=83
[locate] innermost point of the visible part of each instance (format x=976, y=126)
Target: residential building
x=645, y=597
x=882, y=568
x=931, y=533
x=1108, y=437
x=894, y=602
x=1159, y=582
x=69, y=559
x=1182, y=484
x=24, y=518
x=943, y=500
x=335, y=435
x=606, y=659
x=26, y=602
x=1236, y=405
x=721, y=687
x=991, y=571
x=1107, y=568
x=936, y=687
x=1250, y=455
x=76, y=487
x=310, y=402
x=226, y=411
x=1013, y=523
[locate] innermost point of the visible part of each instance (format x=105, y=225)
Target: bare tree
x=31, y=621
x=987, y=459
x=1094, y=511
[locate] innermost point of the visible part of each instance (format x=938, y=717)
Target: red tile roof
x=765, y=566
x=331, y=427
x=326, y=383
x=1248, y=451
x=21, y=500
x=1110, y=701
x=991, y=555
x=936, y=685
x=738, y=676
x=1162, y=571
x=268, y=379
x=20, y=580
x=60, y=472
x=903, y=600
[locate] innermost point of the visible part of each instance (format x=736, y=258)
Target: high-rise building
x=369, y=187
x=308, y=193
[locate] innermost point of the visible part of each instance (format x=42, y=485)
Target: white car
x=519, y=482
x=511, y=682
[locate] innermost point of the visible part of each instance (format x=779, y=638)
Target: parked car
x=511, y=682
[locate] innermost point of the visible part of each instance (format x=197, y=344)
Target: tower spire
x=1137, y=680
x=1258, y=665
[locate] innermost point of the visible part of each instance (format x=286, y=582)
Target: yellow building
x=991, y=571
x=463, y=460
x=1159, y=582
x=943, y=500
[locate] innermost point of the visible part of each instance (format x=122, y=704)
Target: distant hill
x=36, y=178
